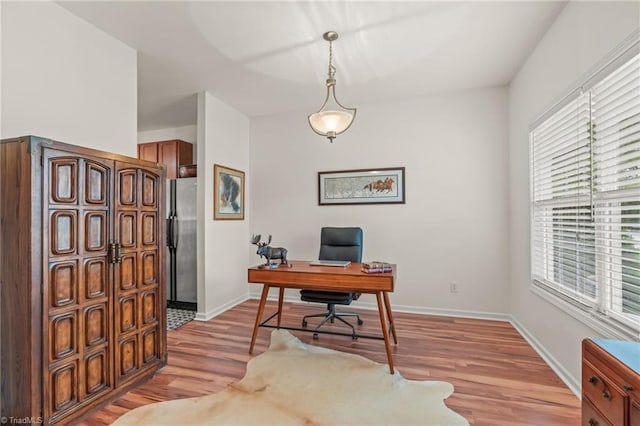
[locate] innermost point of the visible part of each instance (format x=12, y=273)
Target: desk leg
x=387, y=305
x=280, y=299
x=263, y=299
x=385, y=333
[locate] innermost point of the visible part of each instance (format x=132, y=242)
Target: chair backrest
x=341, y=244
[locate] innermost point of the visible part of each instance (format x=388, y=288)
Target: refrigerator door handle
x=170, y=226
x=174, y=228
x=168, y=229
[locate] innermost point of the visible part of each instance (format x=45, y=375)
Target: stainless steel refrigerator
x=181, y=244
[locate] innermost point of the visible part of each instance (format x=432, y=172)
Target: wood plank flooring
x=498, y=378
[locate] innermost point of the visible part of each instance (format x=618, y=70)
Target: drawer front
x=591, y=417
x=634, y=413
x=605, y=396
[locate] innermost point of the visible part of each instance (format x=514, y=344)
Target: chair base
x=332, y=315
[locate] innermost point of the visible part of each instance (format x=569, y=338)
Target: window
x=585, y=195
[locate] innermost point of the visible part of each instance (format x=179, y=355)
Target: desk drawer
x=603, y=394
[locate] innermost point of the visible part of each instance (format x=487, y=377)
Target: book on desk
x=376, y=267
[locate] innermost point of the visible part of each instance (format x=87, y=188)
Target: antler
x=269, y=242
x=255, y=239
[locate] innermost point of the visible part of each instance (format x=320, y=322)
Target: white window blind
x=616, y=147
x=585, y=176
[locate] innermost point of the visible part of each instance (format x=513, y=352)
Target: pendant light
x=333, y=118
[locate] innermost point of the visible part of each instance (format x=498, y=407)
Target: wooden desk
x=301, y=275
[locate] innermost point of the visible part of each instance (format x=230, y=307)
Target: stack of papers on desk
x=343, y=263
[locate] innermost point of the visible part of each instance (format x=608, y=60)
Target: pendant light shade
x=333, y=118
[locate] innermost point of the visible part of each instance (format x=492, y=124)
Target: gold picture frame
x=228, y=193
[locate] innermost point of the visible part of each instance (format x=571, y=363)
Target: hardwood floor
x=498, y=378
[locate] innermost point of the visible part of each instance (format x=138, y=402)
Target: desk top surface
x=300, y=274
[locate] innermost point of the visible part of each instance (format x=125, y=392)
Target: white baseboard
x=495, y=316
x=206, y=316
x=572, y=383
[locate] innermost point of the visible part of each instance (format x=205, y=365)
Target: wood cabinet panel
x=149, y=227
x=63, y=336
x=126, y=276
x=172, y=153
x=169, y=156
x=591, y=416
x=149, y=268
x=634, y=413
x=148, y=152
x=149, y=303
x=72, y=324
x=610, y=387
x=64, y=388
x=150, y=347
x=95, y=320
x=149, y=190
x=127, y=356
x=604, y=394
x=139, y=274
x=96, y=229
x=95, y=277
x=64, y=232
x=127, y=314
x=126, y=229
x=64, y=180
x=96, y=366
x=63, y=277
x=96, y=189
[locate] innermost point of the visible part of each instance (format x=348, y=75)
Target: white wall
x=223, y=135
x=185, y=133
x=453, y=225
x=581, y=36
x=1, y=136
x=64, y=79
x=1, y=68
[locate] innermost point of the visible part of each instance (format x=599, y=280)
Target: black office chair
x=336, y=244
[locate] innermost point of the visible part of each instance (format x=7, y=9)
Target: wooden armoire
x=82, y=277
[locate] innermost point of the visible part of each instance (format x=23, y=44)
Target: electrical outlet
x=453, y=287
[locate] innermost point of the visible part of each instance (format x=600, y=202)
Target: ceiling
x=268, y=57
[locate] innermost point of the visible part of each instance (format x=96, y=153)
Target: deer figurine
x=264, y=249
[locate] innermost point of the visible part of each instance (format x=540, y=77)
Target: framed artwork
x=228, y=193
x=365, y=186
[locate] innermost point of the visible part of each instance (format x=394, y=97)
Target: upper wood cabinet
x=173, y=153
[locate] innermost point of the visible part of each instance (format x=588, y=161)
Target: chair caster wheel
x=360, y=322
x=315, y=336
x=304, y=323
x=354, y=337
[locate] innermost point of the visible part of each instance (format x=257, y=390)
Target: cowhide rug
x=293, y=383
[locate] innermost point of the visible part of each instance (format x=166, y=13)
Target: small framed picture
x=228, y=193
x=364, y=186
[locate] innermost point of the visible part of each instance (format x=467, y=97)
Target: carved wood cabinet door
x=103, y=322
x=77, y=299
x=137, y=275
